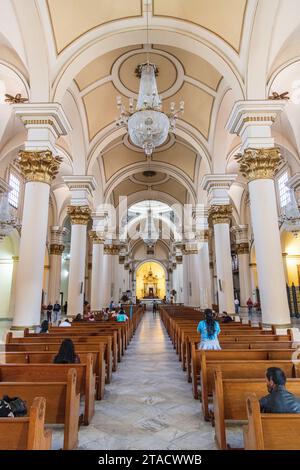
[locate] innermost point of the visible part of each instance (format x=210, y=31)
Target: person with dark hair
x=65, y=322
x=279, y=399
x=78, y=317
x=209, y=330
x=226, y=318
x=66, y=353
x=44, y=327
x=49, y=312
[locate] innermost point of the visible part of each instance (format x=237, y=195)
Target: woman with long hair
x=66, y=353
x=44, y=327
x=209, y=330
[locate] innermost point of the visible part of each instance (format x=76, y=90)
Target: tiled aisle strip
x=149, y=404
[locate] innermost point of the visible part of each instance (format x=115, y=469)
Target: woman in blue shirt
x=209, y=330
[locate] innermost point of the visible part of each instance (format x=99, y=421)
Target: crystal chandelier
x=290, y=217
x=7, y=220
x=148, y=126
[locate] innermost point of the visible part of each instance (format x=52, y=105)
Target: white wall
x=6, y=269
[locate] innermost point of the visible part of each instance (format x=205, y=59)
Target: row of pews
x=55, y=392
x=230, y=382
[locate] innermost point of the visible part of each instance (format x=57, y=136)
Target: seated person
x=66, y=322
x=122, y=316
x=279, y=399
x=66, y=353
x=226, y=318
x=92, y=317
x=78, y=317
x=209, y=330
x=44, y=328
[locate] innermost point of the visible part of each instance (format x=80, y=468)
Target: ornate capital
x=259, y=163
x=220, y=214
x=56, y=249
x=111, y=250
x=79, y=215
x=38, y=166
x=242, y=248
x=203, y=235
x=96, y=238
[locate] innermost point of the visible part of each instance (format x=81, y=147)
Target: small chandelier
x=290, y=217
x=150, y=235
x=7, y=220
x=148, y=126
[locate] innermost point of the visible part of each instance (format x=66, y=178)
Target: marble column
x=97, y=291
x=79, y=216
x=204, y=271
x=56, y=250
x=39, y=169
x=285, y=267
x=259, y=161
x=220, y=218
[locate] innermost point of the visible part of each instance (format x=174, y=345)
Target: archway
x=151, y=281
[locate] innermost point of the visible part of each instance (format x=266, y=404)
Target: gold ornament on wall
x=96, y=238
x=17, y=99
x=259, y=163
x=40, y=166
x=79, y=215
x=279, y=96
x=242, y=248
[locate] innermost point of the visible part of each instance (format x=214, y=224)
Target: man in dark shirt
x=279, y=399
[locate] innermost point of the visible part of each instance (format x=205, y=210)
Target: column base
x=275, y=326
x=21, y=328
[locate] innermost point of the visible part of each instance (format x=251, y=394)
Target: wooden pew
x=229, y=400
x=276, y=345
x=231, y=354
x=270, y=431
x=56, y=373
x=62, y=402
x=236, y=369
x=26, y=433
x=50, y=344
x=38, y=356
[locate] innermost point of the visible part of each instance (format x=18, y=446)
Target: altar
x=150, y=282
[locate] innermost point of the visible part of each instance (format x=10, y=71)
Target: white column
x=12, y=301
x=186, y=281
x=259, y=161
x=194, y=279
x=242, y=247
x=224, y=267
x=79, y=216
x=32, y=253
x=56, y=251
x=253, y=281
x=107, y=270
x=270, y=269
x=44, y=122
x=204, y=274
x=97, y=291
x=244, y=273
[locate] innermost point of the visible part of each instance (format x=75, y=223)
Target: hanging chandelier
x=150, y=235
x=148, y=126
x=290, y=217
x=8, y=222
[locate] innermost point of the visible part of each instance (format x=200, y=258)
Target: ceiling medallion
x=148, y=126
x=149, y=173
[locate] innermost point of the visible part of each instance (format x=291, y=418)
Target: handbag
x=18, y=406
x=5, y=410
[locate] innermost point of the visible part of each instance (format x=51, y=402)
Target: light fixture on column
x=148, y=126
x=8, y=222
x=290, y=217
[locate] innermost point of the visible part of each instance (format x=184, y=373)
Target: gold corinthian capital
x=261, y=163
x=79, y=215
x=38, y=166
x=220, y=214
